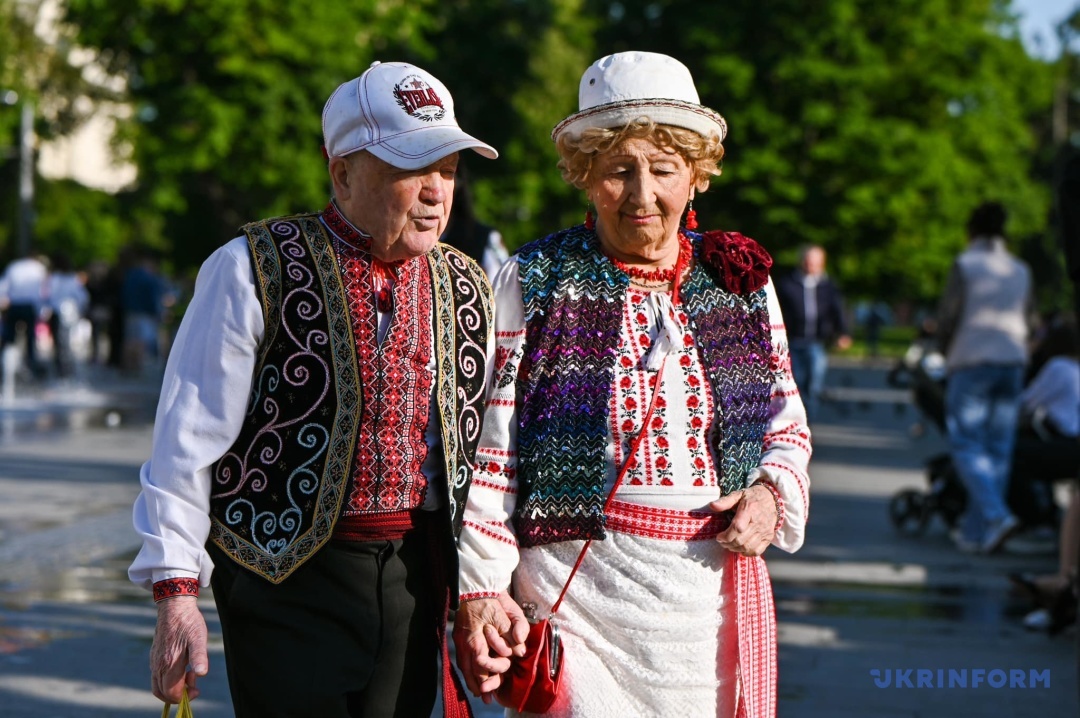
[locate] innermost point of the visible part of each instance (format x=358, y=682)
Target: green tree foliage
x=93, y=224
x=40, y=67
x=228, y=96
x=511, y=89
x=869, y=128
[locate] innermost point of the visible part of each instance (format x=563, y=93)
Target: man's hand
x=487, y=632
x=754, y=525
x=179, y=641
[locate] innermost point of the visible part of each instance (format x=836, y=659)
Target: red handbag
x=532, y=683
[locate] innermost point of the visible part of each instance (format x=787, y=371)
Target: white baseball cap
x=401, y=114
x=618, y=89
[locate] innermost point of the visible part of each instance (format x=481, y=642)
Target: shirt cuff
x=173, y=587
x=477, y=595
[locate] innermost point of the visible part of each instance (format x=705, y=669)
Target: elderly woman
x=634, y=315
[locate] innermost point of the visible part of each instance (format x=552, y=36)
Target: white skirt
x=645, y=624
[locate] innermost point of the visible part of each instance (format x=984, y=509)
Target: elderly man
x=317, y=424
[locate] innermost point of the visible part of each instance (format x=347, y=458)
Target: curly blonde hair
x=577, y=153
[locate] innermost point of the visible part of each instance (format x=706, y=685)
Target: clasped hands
x=488, y=632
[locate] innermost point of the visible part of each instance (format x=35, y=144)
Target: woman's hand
x=487, y=632
x=754, y=525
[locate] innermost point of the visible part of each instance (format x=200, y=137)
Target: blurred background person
x=813, y=310
x=68, y=301
x=24, y=291
x=142, y=301
x=1049, y=450
x=983, y=327
x=100, y=309
x=483, y=243
x=1046, y=448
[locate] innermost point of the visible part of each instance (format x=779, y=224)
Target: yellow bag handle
x=183, y=709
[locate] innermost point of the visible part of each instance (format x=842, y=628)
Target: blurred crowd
x=56, y=320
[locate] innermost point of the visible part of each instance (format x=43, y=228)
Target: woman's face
x=640, y=192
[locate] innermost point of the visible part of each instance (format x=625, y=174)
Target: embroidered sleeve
x=785, y=456
x=488, y=548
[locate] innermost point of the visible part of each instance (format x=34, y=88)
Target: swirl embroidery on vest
x=285, y=399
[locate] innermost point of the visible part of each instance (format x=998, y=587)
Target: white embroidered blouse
x=674, y=467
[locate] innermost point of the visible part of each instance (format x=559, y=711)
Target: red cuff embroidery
x=777, y=499
x=173, y=587
x=477, y=595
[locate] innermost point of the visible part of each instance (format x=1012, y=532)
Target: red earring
x=691, y=217
x=590, y=221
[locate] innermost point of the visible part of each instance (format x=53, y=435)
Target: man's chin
x=415, y=244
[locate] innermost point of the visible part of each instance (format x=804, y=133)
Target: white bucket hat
x=620, y=88
x=401, y=114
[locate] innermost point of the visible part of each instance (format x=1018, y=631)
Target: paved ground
x=74, y=635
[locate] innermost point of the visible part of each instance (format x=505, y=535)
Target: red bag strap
x=618, y=480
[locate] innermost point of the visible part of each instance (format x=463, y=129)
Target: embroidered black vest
x=573, y=297
x=276, y=494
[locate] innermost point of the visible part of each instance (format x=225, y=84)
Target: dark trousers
x=25, y=315
x=351, y=634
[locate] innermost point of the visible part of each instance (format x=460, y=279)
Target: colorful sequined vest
x=573, y=297
x=279, y=490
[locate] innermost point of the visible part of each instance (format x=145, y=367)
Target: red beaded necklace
x=658, y=275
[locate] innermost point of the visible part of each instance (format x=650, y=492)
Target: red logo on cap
x=419, y=99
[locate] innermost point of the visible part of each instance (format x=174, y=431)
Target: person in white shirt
x=983, y=327
x=68, y=301
x=316, y=430
x=24, y=294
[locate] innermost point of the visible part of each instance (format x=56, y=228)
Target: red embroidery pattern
x=633, y=388
x=495, y=531
x=173, y=587
x=504, y=488
x=475, y=595
x=395, y=382
x=665, y=524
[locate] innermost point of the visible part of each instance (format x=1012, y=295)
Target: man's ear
x=340, y=176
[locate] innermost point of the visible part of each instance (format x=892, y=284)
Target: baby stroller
x=922, y=370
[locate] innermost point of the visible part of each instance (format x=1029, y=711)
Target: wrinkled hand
x=754, y=525
x=487, y=632
x=179, y=641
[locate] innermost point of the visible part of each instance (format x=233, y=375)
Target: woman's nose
x=643, y=188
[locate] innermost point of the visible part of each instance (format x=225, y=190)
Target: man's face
x=814, y=262
x=404, y=211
